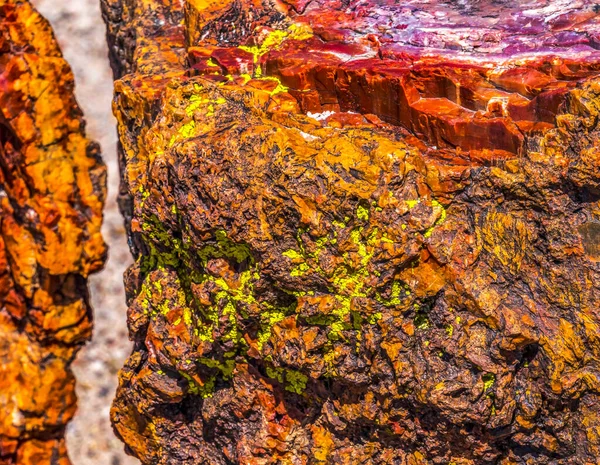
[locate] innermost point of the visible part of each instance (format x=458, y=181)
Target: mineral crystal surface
x=52, y=187
x=366, y=232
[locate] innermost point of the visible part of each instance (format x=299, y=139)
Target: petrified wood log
x=52, y=188
x=365, y=231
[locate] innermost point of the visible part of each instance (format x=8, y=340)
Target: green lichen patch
x=350, y=279
x=218, y=320
x=489, y=379
x=292, y=380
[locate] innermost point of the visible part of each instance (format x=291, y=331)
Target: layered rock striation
x=52, y=188
x=364, y=232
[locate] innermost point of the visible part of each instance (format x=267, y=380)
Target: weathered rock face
x=364, y=232
x=52, y=187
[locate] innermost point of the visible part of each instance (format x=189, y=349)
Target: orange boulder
x=52, y=188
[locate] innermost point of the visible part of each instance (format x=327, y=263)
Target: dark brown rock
x=359, y=240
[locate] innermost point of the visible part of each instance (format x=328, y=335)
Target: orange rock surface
x=52, y=188
x=365, y=232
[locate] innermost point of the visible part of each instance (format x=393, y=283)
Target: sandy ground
x=79, y=28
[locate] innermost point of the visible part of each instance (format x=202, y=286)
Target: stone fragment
x=364, y=231
x=52, y=188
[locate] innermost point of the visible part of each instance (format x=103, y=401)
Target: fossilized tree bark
x=365, y=232
x=52, y=187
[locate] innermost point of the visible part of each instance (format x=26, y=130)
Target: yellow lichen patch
x=274, y=39
x=440, y=212
x=362, y=213
x=202, y=101
x=412, y=203
x=195, y=102
x=489, y=379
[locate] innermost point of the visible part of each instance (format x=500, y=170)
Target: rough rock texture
x=364, y=233
x=52, y=187
x=81, y=34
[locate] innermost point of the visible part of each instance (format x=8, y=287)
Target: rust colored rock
x=52, y=188
x=364, y=232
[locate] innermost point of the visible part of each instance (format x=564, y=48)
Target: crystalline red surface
x=481, y=76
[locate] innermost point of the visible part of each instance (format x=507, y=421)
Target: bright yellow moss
x=275, y=39
x=436, y=205
x=293, y=254
x=412, y=203
x=362, y=213
x=300, y=270
x=488, y=381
